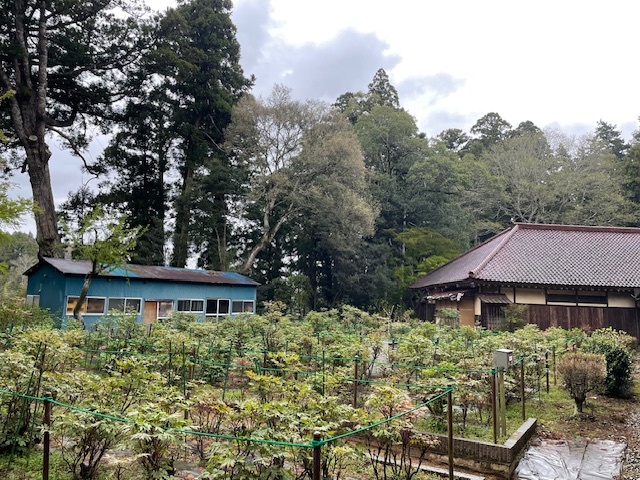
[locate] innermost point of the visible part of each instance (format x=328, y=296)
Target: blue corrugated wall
x=54, y=288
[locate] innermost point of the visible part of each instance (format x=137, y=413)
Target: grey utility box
x=502, y=358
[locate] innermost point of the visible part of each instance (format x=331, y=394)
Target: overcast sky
x=564, y=64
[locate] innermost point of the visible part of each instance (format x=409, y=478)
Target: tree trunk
x=28, y=107
x=77, y=310
x=183, y=221
x=45, y=216
x=268, y=234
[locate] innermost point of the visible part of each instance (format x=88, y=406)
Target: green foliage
x=118, y=325
x=617, y=348
x=57, y=96
x=514, y=317
x=105, y=241
x=15, y=315
x=424, y=250
x=186, y=377
x=18, y=253
x=29, y=467
x=300, y=161
x=449, y=317
x=102, y=238
x=153, y=438
x=491, y=129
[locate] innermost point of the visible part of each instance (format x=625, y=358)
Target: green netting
x=310, y=444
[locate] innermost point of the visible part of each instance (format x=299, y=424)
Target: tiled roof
x=549, y=255
x=149, y=272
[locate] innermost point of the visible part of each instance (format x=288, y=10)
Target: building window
x=242, y=306
x=192, y=306
x=567, y=296
x=592, y=298
x=92, y=305
x=32, y=301
x=131, y=305
x=165, y=307
x=217, y=307
x=576, y=297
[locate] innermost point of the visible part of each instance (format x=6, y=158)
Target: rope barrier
x=311, y=444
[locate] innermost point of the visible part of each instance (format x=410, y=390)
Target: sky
x=560, y=64
x=563, y=63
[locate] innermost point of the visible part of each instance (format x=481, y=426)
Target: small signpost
x=502, y=360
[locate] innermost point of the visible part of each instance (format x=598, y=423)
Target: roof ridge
x=493, y=253
x=597, y=228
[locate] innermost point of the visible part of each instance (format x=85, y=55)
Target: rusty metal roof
x=148, y=272
x=540, y=254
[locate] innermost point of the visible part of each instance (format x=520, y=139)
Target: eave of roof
x=147, y=272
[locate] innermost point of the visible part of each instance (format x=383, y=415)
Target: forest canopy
x=322, y=204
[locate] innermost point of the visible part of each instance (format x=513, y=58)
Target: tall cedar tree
x=65, y=62
x=166, y=156
x=137, y=162
x=199, y=59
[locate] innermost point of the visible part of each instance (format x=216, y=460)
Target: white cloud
x=567, y=62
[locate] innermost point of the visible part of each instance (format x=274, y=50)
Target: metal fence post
x=546, y=368
x=355, y=383
x=522, y=392
x=317, y=455
x=494, y=407
x=502, y=403
x=450, y=431
x=46, y=441
x=553, y=358
x=323, y=367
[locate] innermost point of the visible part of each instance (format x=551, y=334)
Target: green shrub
x=449, y=317
x=15, y=315
x=514, y=318
x=617, y=348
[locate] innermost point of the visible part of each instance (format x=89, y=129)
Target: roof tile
x=549, y=255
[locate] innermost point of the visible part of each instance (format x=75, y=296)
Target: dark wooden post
x=355, y=382
x=546, y=368
x=502, y=403
x=46, y=441
x=450, y=431
x=553, y=358
x=524, y=413
x=323, y=367
x=192, y=364
x=494, y=406
x=317, y=455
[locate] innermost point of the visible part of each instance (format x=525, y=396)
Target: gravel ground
x=631, y=467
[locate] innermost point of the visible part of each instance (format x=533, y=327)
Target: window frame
x=244, y=304
x=217, y=312
x=159, y=304
x=579, y=298
x=32, y=300
x=191, y=302
x=125, y=304
x=86, y=304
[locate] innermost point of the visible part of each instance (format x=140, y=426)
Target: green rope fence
x=316, y=443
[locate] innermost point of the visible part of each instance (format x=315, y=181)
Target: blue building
x=152, y=292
